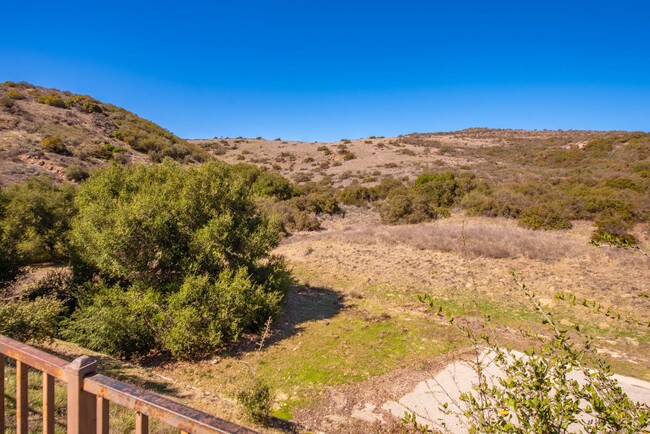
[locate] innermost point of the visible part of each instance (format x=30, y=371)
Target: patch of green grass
x=343, y=350
x=284, y=412
x=504, y=309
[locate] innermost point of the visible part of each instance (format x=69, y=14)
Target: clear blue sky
x=326, y=70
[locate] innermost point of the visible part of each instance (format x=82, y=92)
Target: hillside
x=47, y=131
x=67, y=135
x=543, y=178
x=494, y=154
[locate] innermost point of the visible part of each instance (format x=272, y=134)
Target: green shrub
x=402, y=206
x=325, y=150
x=266, y=184
x=297, y=220
x=289, y=216
x=383, y=189
x=53, y=100
x=113, y=320
x=30, y=320
x=612, y=227
x=256, y=399
x=207, y=313
x=37, y=215
x=14, y=94
x=493, y=202
x=156, y=223
x=437, y=189
x=302, y=177
x=57, y=285
x=354, y=195
x=317, y=202
x=429, y=198
x=7, y=102
x=622, y=184
x=643, y=169
x=600, y=145
x=107, y=151
x=86, y=104
x=349, y=156
x=10, y=260
x=548, y=217
x=188, y=240
x=76, y=173
x=148, y=138
x=54, y=144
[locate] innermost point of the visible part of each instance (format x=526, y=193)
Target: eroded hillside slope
x=64, y=135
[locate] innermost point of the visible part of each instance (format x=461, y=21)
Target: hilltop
x=495, y=154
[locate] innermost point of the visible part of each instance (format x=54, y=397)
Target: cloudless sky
x=326, y=70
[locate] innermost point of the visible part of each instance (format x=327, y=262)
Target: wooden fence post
x=82, y=406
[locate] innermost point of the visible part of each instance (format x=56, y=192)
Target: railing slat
x=141, y=423
x=48, y=404
x=103, y=419
x=22, y=403
x=2, y=393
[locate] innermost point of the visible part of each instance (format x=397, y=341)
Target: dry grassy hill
x=490, y=153
x=47, y=131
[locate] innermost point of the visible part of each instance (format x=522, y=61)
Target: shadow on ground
x=303, y=304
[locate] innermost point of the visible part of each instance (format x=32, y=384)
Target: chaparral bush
x=37, y=218
x=53, y=144
x=180, y=258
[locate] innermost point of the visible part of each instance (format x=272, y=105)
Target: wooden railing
x=89, y=395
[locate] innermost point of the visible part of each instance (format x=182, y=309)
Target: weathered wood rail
x=89, y=395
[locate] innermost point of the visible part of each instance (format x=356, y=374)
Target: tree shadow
x=286, y=426
x=304, y=303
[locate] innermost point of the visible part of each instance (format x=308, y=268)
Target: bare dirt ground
x=461, y=252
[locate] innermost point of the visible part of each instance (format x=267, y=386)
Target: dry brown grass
x=477, y=240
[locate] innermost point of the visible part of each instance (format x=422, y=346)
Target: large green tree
x=188, y=249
